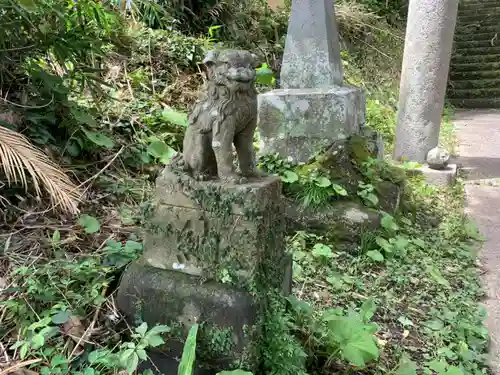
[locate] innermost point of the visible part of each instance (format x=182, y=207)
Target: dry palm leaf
x=18, y=155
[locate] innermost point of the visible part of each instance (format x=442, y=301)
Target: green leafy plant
x=119, y=254
x=89, y=223
x=130, y=354
x=189, y=352
x=367, y=194
x=309, y=185
x=351, y=337
x=265, y=76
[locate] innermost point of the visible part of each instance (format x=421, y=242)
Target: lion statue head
x=234, y=69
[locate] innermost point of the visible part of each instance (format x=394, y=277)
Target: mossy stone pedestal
x=212, y=252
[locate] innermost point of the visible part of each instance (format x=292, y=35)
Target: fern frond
x=18, y=156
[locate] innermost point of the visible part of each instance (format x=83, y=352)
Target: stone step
x=475, y=103
x=475, y=83
x=482, y=74
x=478, y=43
x=483, y=12
x=476, y=29
x=477, y=6
x=472, y=11
x=476, y=51
x=471, y=2
x=482, y=19
x=478, y=36
x=474, y=93
x=463, y=59
x=475, y=66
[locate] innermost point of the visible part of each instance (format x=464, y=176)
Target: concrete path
x=479, y=153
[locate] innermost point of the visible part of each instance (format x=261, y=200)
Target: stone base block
x=297, y=123
x=226, y=337
x=228, y=233
x=443, y=178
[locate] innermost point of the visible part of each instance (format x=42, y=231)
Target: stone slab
x=230, y=233
x=179, y=300
x=442, y=178
x=312, y=50
x=300, y=122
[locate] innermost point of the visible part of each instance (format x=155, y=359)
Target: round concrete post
x=426, y=60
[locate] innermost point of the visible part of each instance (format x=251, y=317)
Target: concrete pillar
x=427, y=54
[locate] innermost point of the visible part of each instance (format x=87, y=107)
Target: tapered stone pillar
x=314, y=108
x=427, y=54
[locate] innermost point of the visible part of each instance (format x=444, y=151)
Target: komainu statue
x=225, y=114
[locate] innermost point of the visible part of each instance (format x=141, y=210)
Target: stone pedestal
x=211, y=253
x=299, y=122
x=426, y=61
x=442, y=177
x=314, y=108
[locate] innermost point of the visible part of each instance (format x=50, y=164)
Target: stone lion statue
x=225, y=114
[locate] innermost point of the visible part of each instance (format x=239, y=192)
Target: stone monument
x=426, y=61
x=313, y=108
x=214, y=247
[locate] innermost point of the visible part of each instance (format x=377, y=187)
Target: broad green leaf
x=189, y=352
x=132, y=246
x=161, y=150
x=339, y=190
x=372, y=198
x=93, y=356
x=323, y=182
x=375, y=255
x=132, y=363
x=290, y=177
x=40, y=324
x=83, y=117
x=384, y=244
x=388, y=223
x=454, y=370
x=155, y=340
x=141, y=330
x=165, y=158
x=141, y=353
x=368, y=308
x=360, y=349
x=299, y=305
x=438, y=366
x=321, y=250
x=58, y=360
x=174, y=117
x=400, y=243
x=158, y=328
x=406, y=367
x=89, y=371
x=61, y=317
x=234, y=372
x=99, y=139
x=89, y=223
x=37, y=341
x=24, y=350
x=264, y=75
